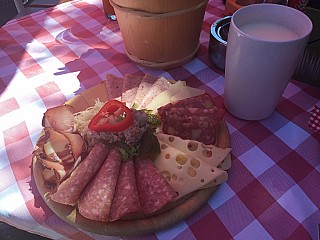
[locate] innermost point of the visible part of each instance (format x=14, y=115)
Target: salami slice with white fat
x=153, y=189
x=95, y=202
x=126, y=198
x=114, y=86
x=69, y=190
x=129, y=89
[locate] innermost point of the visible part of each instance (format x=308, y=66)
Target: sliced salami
x=144, y=87
x=129, y=89
x=69, y=190
x=126, y=198
x=200, y=101
x=153, y=189
x=114, y=86
x=95, y=201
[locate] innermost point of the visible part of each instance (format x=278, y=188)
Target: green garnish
x=128, y=151
x=153, y=120
x=149, y=146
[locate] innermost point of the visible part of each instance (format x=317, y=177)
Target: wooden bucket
x=160, y=34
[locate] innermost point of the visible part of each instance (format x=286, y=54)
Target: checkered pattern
x=48, y=57
x=314, y=121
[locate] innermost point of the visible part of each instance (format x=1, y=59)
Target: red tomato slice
x=114, y=116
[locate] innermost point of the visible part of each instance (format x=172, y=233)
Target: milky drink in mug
x=265, y=45
x=269, y=31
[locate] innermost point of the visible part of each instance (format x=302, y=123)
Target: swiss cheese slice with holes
x=217, y=157
x=185, y=173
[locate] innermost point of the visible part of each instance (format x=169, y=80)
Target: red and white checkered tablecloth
x=49, y=56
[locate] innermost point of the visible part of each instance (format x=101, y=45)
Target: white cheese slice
x=186, y=92
x=185, y=173
x=164, y=97
x=214, y=156
x=160, y=85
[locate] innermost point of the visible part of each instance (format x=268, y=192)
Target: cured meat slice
x=144, y=87
x=95, y=201
x=214, y=113
x=114, y=86
x=126, y=198
x=59, y=118
x=195, y=118
x=129, y=89
x=153, y=189
x=200, y=101
x=69, y=190
x=160, y=85
x=198, y=124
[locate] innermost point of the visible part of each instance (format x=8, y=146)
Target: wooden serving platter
x=136, y=225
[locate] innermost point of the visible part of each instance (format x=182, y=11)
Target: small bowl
x=218, y=41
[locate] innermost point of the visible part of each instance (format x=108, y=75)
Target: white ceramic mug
x=265, y=45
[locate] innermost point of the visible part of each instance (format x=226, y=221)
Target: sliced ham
x=69, y=191
x=95, y=202
x=114, y=86
x=153, y=189
x=129, y=89
x=60, y=118
x=126, y=198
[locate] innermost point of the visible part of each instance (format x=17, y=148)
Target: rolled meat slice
x=69, y=191
x=95, y=201
x=126, y=198
x=153, y=189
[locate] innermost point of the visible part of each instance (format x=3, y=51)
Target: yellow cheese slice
x=78, y=103
x=210, y=154
x=185, y=173
x=164, y=97
x=99, y=91
x=226, y=163
x=160, y=85
x=186, y=92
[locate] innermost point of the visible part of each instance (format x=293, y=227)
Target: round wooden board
x=138, y=225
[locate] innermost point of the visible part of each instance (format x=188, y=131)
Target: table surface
x=48, y=57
